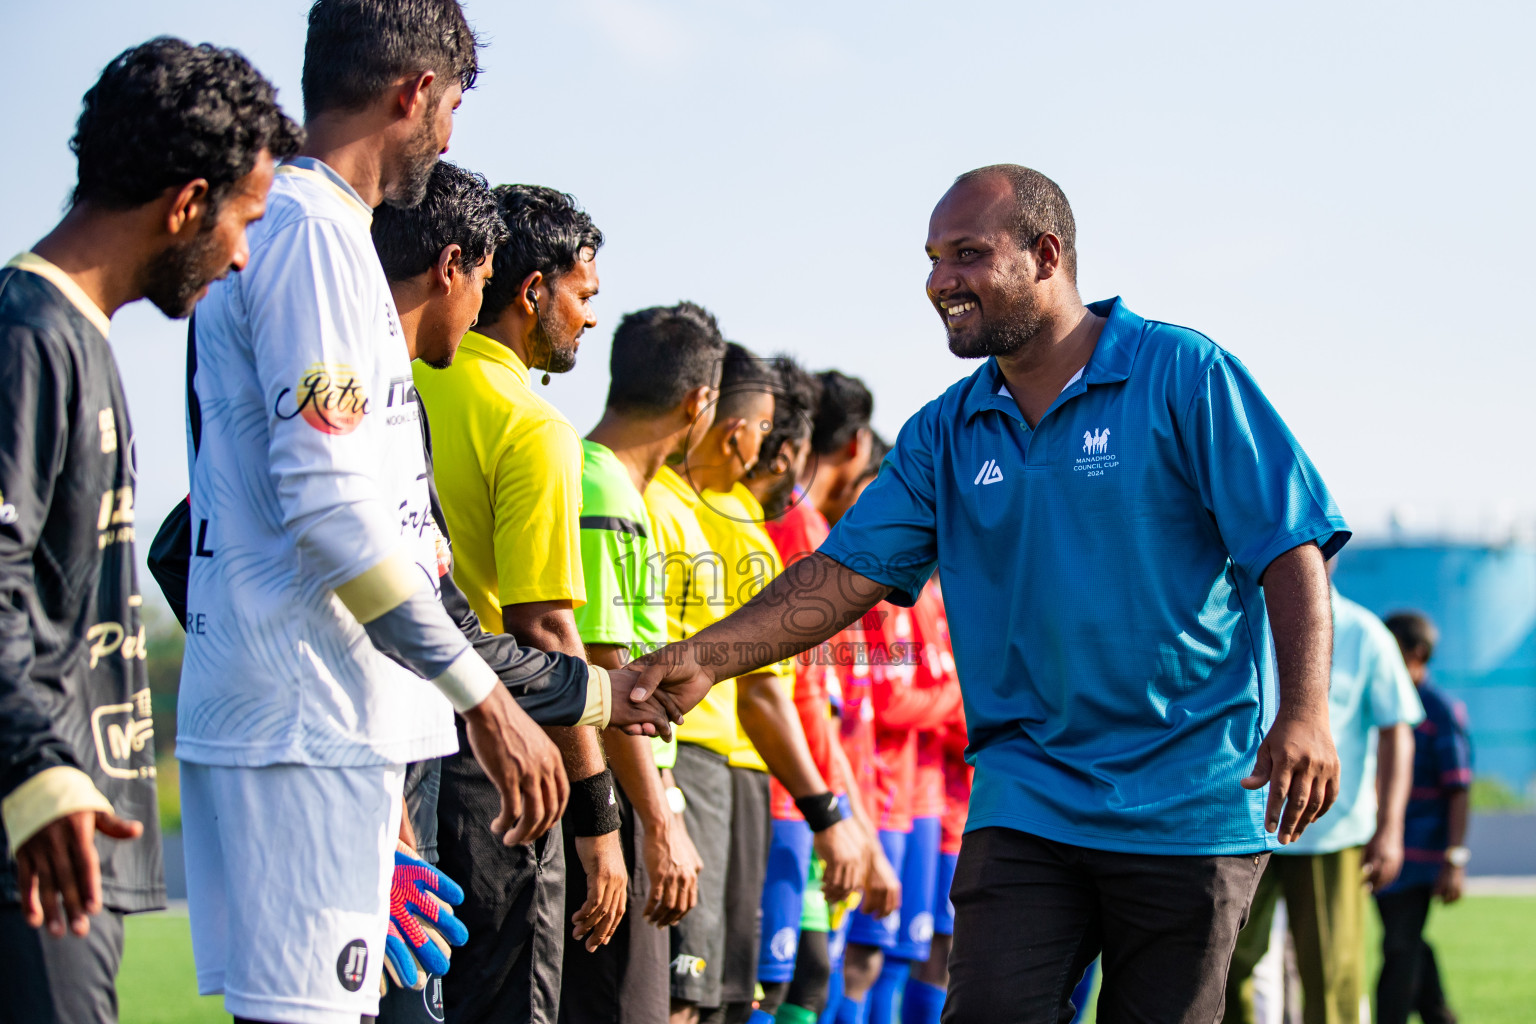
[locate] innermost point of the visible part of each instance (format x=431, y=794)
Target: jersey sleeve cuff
x=45, y=797
x=380, y=589
x=599, y=709
x=468, y=681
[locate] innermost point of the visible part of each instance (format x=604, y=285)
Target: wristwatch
x=1457, y=856
x=676, y=800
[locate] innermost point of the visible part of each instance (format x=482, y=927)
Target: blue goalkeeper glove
x=422, y=925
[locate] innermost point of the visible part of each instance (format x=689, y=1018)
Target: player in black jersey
x=176, y=147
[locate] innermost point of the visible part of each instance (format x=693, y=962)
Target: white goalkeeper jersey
x=309, y=501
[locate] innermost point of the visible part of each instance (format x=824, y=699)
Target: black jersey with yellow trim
x=74, y=689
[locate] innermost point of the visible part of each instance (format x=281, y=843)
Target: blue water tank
x=1483, y=599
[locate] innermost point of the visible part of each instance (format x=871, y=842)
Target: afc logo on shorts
x=688, y=966
x=352, y=965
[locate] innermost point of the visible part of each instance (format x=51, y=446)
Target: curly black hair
x=458, y=210
x=549, y=232
x=164, y=113
x=358, y=48
x=799, y=394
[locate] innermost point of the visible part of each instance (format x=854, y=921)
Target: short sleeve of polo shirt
x=890, y=534
x=1389, y=688
x=1262, y=490
x=616, y=546
x=536, y=495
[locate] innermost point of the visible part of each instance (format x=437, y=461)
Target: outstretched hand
x=673, y=677
x=1299, y=764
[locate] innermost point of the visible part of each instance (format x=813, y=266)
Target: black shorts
x=698, y=940
x=624, y=982
x=67, y=980
x=514, y=906
x=751, y=833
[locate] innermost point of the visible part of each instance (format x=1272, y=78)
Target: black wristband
x=593, y=810
x=821, y=811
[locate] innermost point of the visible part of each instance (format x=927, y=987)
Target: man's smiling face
x=982, y=282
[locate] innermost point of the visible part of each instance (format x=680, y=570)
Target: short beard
x=776, y=501
x=420, y=157
x=1004, y=336
x=559, y=360
x=176, y=274
x=440, y=363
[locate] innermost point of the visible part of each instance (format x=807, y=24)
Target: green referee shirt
x=624, y=604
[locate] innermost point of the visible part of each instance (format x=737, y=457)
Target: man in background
x=664, y=371
x=1372, y=710
x=1435, y=855
x=176, y=147
x=509, y=470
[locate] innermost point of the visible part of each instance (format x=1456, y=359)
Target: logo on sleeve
x=329, y=397
x=352, y=964
x=991, y=473
x=1096, y=454
x=106, y=421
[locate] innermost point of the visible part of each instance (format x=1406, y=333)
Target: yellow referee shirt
x=508, y=471
x=732, y=524
x=692, y=583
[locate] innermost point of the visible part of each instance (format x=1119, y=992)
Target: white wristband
x=468, y=681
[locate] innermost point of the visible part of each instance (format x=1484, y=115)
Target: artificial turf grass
x=1486, y=945
x=157, y=983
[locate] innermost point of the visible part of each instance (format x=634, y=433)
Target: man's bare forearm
x=809, y=602
x=770, y=720
x=1458, y=809
x=1296, y=593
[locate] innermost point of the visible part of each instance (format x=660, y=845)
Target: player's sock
x=921, y=1003
x=789, y=1013
x=851, y=1010
x=885, y=997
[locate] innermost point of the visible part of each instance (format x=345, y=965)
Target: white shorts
x=288, y=878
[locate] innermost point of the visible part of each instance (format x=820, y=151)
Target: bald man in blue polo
x=1132, y=547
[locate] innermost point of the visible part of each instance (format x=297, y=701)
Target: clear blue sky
x=1339, y=194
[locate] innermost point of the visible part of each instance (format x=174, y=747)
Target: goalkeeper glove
x=422, y=925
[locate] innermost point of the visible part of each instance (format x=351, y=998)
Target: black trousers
x=626, y=981
x=1031, y=914
x=1410, y=977
x=67, y=980
x=514, y=906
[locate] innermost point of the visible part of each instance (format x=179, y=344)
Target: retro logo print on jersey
x=329, y=397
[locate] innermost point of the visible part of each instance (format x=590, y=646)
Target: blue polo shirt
x=1101, y=577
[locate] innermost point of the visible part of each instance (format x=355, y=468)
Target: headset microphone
x=534, y=300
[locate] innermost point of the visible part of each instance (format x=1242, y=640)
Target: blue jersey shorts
x=882, y=931
x=919, y=883
x=789, y=862
x=943, y=909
